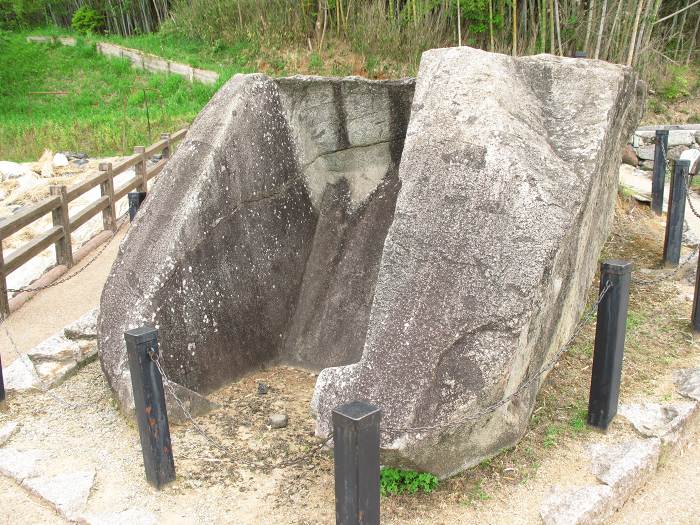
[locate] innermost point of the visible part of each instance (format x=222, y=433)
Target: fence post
x=109, y=214
x=135, y=200
x=658, y=178
x=140, y=169
x=2, y=384
x=165, y=154
x=676, y=213
x=149, y=404
x=695, y=316
x=4, y=297
x=64, y=246
x=609, y=342
x=356, y=458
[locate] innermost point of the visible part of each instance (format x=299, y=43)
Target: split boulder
x=509, y=179
x=430, y=266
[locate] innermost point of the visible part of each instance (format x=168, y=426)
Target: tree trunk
x=515, y=29
x=600, y=30
x=589, y=24
x=491, y=25
x=611, y=35
x=693, y=40
x=558, y=26
x=635, y=27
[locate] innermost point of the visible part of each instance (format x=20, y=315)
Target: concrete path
x=52, y=309
x=673, y=494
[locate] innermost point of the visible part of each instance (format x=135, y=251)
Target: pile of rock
x=640, y=151
x=52, y=361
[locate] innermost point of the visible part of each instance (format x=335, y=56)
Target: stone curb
x=623, y=468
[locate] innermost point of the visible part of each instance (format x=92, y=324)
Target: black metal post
x=356, y=457
x=676, y=213
x=695, y=316
x=149, y=403
x=2, y=384
x=658, y=178
x=609, y=342
x=135, y=200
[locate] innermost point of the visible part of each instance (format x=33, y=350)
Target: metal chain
x=666, y=276
x=215, y=442
x=523, y=386
x=76, y=273
x=687, y=196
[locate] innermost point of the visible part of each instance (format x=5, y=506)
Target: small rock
x=647, y=165
x=693, y=156
x=681, y=137
x=59, y=160
x=646, y=152
x=674, y=153
x=81, y=162
x=587, y=505
x=68, y=492
x=13, y=170
x=83, y=328
x=47, y=170
x=7, y=431
x=21, y=375
x=20, y=464
x=655, y=420
x=56, y=357
x=625, y=467
x=688, y=382
x=196, y=404
x=278, y=420
x=629, y=156
x=262, y=389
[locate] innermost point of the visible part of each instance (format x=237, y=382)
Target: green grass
x=104, y=110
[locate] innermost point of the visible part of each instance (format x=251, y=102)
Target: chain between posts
x=213, y=441
x=74, y=274
x=523, y=386
x=47, y=391
x=669, y=275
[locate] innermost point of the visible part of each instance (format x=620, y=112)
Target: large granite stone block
x=509, y=179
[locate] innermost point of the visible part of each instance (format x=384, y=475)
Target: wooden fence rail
x=64, y=223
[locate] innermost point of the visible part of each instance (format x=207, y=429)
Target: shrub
x=87, y=20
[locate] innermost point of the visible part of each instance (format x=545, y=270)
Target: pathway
x=52, y=309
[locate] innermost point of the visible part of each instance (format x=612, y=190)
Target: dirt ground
x=252, y=474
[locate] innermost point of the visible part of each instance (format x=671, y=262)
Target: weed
x=551, y=434
x=315, y=63
x=634, y=320
x=477, y=493
x=578, y=420
x=676, y=85
x=394, y=481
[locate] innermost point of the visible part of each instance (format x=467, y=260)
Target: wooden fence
x=64, y=224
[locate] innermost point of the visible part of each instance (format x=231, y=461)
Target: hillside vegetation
x=104, y=108
x=71, y=98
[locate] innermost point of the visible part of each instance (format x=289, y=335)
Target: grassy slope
x=92, y=117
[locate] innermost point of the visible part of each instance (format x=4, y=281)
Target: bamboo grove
x=623, y=31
